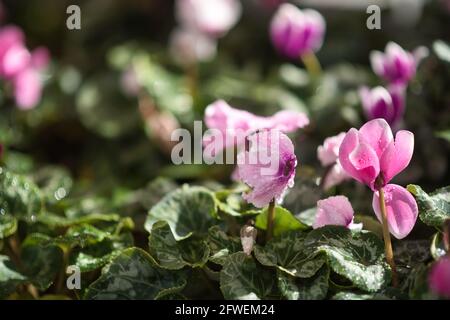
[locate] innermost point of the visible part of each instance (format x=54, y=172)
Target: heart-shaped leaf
x=314, y=288
x=434, y=208
x=357, y=256
x=10, y=278
x=8, y=225
x=172, y=254
x=243, y=279
x=134, y=275
x=187, y=210
x=288, y=253
x=222, y=245
x=284, y=221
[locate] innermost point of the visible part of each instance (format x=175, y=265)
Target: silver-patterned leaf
x=221, y=245
x=243, y=279
x=434, y=208
x=10, y=277
x=288, y=253
x=134, y=275
x=187, y=210
x=314, y=288
x=8, y=225
x=357, y=256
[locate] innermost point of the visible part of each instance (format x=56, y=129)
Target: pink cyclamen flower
x=439, y=278
x=190, y=46
x=235, y=125
x=396, y=65
x=14, y=57
x=401, y=209
x=372, y=156
x=295, y=32
x=210, y=17
x=336, y=211
x=388, y=104
x=267, y=166
x=27, y=88
x=328, y=154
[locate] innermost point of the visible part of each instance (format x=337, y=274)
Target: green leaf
x=359, y=296
x=19, y=196
x=56, y=221
x=54, y=182
x=288, y=253
x=357, y=256
x=222, y=245
x=8, y=225
x=417, y=282
x=314, y=288
x=79, y=235
x=307, y=216
x=41, y=262
x=444, y=134
x=155, y=191
x=134, y=275
x=98, y=254
x=172, y=254
x=284, y=221
x=10, y=278
x=243, y=279
x=434, y=208
x=188, y=210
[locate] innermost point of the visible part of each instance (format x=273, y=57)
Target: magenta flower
x=439, y=278
x=267, y=166
x=235, y=125
x=401, y=209
x=210, y=17
x=328, y=154
x=371, y=156
x=381, y=103
x=14, y=57
x=295, y=32
x=396, y=65
x=336, y=211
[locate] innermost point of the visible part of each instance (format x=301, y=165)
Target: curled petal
x=397, y=155
x=288, y=120
x=328, y=153
x=334, y=211
x=378, y=134
x=358, y=159
x=401, y=210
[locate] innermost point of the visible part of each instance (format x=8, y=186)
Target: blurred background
x=114, y=91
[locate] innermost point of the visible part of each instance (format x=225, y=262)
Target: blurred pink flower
x=40, y=58
x=335, y=211
x=328, y=154
x=211, y=17
x=371, y=156
x=14, y=56
x=295, y=32
x=396, y=65
x=27, y=88
x=439, y=278
x=388, y=104
x=190, y=46
x=267, y=167
x=401, y=209
x=235, y=124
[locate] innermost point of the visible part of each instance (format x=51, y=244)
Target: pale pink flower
x=210, y=17
x=335, y=211
x=14, y=56
x=27, y=88
x=267, y=166
x=401, y=209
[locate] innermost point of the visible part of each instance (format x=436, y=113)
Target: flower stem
x=312, y=64
x=270, y=220
x=387, y=239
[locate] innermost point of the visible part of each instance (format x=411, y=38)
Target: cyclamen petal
x=13, y=54
x=335, y=176
x=439, y=278
x=396, y=65
x=210, y=17
x=267, y=167
x=397, y=155
x=295, y=32
x=328, y=153
x=378, y=135
x=401, y=210
x=235, y=124
x=334, y=211
x=190, y=46
x=27, y=88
